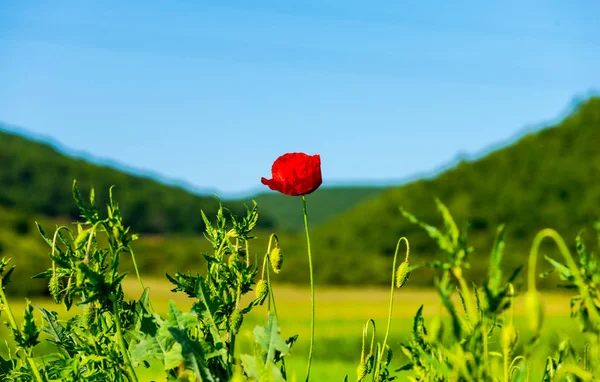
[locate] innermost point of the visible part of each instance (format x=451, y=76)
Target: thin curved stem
x=389, y=322
x=34, y=369
x=4, y=301
x=564, y=250
x=312, y=290
x=137, y=272
x=271, y=294
x=372, y=321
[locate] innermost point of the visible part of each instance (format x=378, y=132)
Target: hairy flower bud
x=361, y=371
x=262, y=291
x=55, y=288
x=276, y=259
x=232, y=260
x=90, y=314
x=236, y=319
x=535, y=313
x=509, y=337
x=402, y=274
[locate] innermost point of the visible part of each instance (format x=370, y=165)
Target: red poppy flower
x=295, y=174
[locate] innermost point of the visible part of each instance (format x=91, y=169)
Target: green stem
x=121, y=341
x=312, y=291
x=4, y=301
x=271, y=294
x=137, y=272
x=13, y=324
x=34, y=369
x=466, y=294
x=389, y=322
x=564, y=250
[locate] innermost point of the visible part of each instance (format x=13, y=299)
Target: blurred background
x=492, y=108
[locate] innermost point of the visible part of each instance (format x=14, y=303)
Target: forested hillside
x=36, y=178
x=546, y=179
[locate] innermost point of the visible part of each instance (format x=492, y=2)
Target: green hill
x=35, y=185
x=36, y=178
x=546, y=179
x=326, y=203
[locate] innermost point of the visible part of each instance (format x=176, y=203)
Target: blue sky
x=211, y=92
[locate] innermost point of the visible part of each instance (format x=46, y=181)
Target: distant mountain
x=550, y=178
x=37, y=173
x=35, y=177
x=325, y=204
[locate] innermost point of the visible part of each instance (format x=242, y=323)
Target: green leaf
x=269, y=339
x=456, y=325
x=432, y=231
x=258, y=371
x=54, y=329
x=251, y=366
x=449, y=224
x=207, y=312
x=193, y=354
x=582, y=251
x=6, y=367
x=564, y=271
x=495, y=272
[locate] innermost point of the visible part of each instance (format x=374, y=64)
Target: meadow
x=341, y=313
x=230, y=322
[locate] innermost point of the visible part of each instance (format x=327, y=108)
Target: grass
x=340, y=313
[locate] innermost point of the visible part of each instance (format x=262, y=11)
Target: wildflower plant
x=111, y=337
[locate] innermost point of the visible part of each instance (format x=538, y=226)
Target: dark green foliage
x=331, y=202
x=110, y=337
x=471, y=353
x=34, y=178
x=546, y=179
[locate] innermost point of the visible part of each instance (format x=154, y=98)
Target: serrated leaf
x=269, y=339
x=193, y=354
x=495, y=271
x=449, y=223
x=432, y=231
x=564, y=271
x=54, y=329
x=206, y=310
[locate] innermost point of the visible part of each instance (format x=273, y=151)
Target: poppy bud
x=236, y=320
x=533, y=306
x=509, y=337
x=276, y=259
x=90, y=313
x=82, y=239
x=361, y=371
x=262, y=291
x=232, y=260
x=55, y=287
x=402, y=274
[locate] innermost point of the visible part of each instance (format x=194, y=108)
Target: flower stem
x=137, y=272
x=564, y=250
x=312, y=291
x=121, y=341
x=15, y=328
x=271, y=296
x=387, y=330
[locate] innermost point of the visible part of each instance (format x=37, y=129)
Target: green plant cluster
x=545, y=179
x=33, y=176
x=111, y=337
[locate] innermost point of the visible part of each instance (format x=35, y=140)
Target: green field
x=340, y=316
